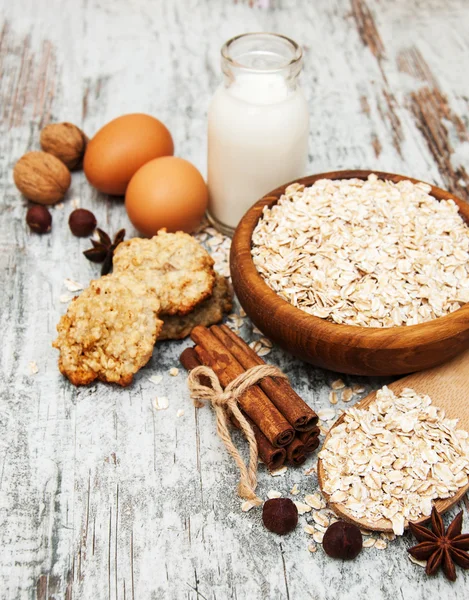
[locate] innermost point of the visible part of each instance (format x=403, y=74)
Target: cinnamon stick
x=296, y=452
x=253, y=402
x=282, y=395
x=189, y=360
x=273, y=458
x=310, y=439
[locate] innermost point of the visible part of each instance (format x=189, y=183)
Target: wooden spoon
x=448, y=386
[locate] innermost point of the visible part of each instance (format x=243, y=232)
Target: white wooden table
x=101, y=496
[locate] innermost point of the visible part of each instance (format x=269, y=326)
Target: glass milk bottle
x=258, y=125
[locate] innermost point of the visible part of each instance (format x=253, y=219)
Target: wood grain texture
x=101, y=496
x=447, y=387
x=344, y=348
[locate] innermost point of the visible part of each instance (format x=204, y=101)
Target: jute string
x=225, y=402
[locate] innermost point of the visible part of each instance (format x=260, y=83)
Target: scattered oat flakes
x=309, y=529
x=357, y=388
x=380, y=544
x=338, y=384
x=420, y=563
x=256, y=346
x=347, y=394
x=161, y=403
x=312, y=470
x=59, y=206
x=266, y=342
x=333, y=398
x=315, y=501
x=242, y=312
x=302, y=508
x=387, y=535
x=273, y=494
x=278, y=472
x=33, y=368
x=65, y=298
x=174, y=371
x=256, y=330
x=312, y=548
x=326, y=414
x=248, y=504
x=369, y=542
x=366, y=532
x=180, y=413
x=318, y=536
x=320, y=519
x=295, y=490
x=76, y=203
x=156, y=379
x=73, y=286
x=264, y=351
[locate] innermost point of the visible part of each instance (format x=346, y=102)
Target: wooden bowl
x=344, y=348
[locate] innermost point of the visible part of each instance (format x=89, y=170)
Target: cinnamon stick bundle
x=272, y=457
x=282, y=395
x=253, y=402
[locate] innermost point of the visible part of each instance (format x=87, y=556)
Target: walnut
x=41, y=177
x=65, y=141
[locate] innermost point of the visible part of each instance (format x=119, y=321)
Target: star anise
x=440, y=548
x=103, y=250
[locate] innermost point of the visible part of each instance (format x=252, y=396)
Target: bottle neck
x=261, y=68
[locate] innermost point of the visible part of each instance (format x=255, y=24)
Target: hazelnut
x=41, y=177
x=65, y=141
x=280, y=515
x=342, y=540
x=39, y=219
x=82, y=222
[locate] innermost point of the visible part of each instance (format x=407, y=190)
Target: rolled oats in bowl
x=371, y=253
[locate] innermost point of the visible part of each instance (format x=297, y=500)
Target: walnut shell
x=65, y=141
x=41, y=177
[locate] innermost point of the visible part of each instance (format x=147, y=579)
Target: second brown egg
x=167, y=192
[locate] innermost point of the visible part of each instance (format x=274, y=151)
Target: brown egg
x=166, y=192
x=121, y=147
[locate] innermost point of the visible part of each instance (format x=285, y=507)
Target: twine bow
x=225, y=402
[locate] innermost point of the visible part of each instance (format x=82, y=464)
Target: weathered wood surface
x=100, y=496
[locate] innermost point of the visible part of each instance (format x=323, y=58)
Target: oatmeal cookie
x=108, y=332
x=174, y=265
x=207, y=313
